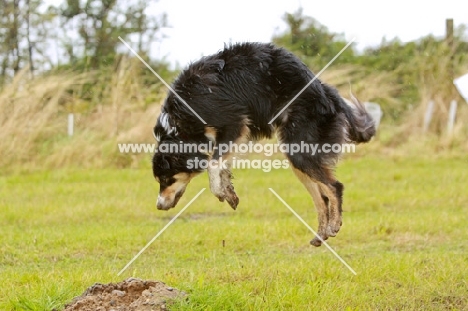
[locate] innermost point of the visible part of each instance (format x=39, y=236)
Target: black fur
x=256, y=81
x=247, y=84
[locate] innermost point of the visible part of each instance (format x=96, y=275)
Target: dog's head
x=176, y=162
x=173, y=172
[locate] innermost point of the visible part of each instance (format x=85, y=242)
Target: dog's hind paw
x=317, y=241
x=333, y=228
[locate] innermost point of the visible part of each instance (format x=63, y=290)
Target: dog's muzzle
x=164, y=203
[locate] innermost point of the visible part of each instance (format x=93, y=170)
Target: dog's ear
x=165, y=164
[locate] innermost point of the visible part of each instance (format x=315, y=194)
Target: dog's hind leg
x=327, y=193
x=316, y=168
x=321, y=204
x=333, y=191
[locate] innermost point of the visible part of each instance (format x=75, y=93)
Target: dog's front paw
x=227, y=194
x=231, y=197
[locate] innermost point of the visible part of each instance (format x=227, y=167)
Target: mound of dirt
x=131, y=294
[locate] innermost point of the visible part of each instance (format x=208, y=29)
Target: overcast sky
x=201, y=27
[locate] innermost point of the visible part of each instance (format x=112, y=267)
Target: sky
x=201, y=27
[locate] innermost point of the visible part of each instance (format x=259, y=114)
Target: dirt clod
x=130, y=295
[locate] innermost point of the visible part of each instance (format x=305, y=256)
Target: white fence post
x=451, y=117
x=71, y=124
x=428, y=115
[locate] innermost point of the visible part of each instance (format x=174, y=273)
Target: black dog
x=237, y=92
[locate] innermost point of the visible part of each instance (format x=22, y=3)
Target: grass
x=63, y=228
x=109, y=107
x=404, y=233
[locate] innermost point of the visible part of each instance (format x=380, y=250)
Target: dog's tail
x=361, y=125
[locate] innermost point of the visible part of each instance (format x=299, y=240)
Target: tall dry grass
x=33, y=118
x=120, y=106
x=28, y=115
x=435, y=83
x=379, y=87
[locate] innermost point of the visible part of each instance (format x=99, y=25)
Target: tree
x=100, y=23
x=310, y=40
x=23, y=36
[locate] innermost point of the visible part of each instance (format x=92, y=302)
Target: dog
x=239, y=95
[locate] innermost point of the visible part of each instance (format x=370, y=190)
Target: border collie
x=237, y=92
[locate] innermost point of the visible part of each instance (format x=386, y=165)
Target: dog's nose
x=161, y=203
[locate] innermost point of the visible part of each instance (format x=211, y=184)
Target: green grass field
x=405, y=233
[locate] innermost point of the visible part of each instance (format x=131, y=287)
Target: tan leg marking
x=322, y=210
